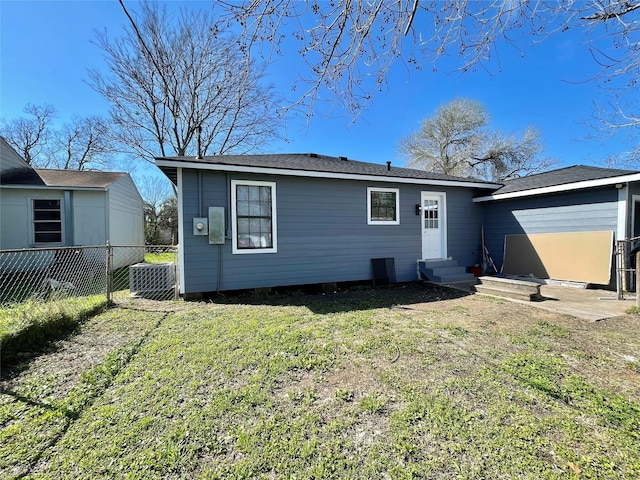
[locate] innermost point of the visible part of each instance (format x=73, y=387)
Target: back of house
x=253, y=221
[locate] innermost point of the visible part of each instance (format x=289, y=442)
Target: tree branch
x=605, y=15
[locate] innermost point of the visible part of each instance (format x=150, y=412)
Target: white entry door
x=433, y=225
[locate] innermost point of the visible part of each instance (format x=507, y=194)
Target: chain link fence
x=117, y=272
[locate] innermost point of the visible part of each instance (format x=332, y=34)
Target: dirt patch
x=66, y=360
x=62, y=363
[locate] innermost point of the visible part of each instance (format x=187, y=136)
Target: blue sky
x=46, y=50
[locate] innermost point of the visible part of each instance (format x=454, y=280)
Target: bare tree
x=31, y=135
x=154, y=189
x=82, y=144
x=349, y=46
x=175, y=82
x=457, y=141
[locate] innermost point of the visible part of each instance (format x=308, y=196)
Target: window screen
x=47, y=221
x=254, y=216
x=383, y=206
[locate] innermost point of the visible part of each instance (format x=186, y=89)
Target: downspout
x=227, y=232
x=200, y=195
x=228, y=205
x=68, y=219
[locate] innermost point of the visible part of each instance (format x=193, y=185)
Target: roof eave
x=601, y=182
x=52, y=187
x=164, y=162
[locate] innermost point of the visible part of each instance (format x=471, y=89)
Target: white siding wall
x=9, y=159
x=125, y=221
x=89, y=217
x=16, y=215
x=126, y=213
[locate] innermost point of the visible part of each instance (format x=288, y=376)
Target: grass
x=373, y=384
x=36, y=414
x=634, y=310
x=164, y=257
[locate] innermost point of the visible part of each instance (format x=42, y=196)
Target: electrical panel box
x=217, y=231
x=200, y=226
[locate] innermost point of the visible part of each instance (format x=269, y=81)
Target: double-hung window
x=383, y=206
x=47, y=221
x=253, y=208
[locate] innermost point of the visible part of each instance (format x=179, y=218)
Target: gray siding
x=323, y=235
x=579, y=211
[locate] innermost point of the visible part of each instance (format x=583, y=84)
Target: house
x=562, y=224
x=57, y=208
x=252, y=221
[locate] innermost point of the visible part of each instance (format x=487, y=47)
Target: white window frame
x=33, y=221
x=234, y=218
x=370, y=221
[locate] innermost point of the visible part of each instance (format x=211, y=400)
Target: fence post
x=638, y=278
x=619, y=270
x=109, y=273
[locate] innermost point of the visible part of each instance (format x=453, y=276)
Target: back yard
x=404, y=382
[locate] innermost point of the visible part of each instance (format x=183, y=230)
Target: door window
x=430, y=209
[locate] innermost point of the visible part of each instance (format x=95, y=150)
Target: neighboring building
x=582, y=206
x=251, y=221
x=56, y=208
x=11, y=163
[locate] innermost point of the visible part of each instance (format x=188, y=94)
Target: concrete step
x=439, y=263
x=504, y=293
x=462, y=278
x=448, y=270
x=509, y=288
x=444, y=272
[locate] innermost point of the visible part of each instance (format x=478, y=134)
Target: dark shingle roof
x=25, y=176
x=78, y=178
x=316, y=163
x=562, y=176
x=62, y=178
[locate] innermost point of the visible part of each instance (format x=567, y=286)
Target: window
x=383, y=206
x=253, y=208
x=47, y=221
x=430, y=208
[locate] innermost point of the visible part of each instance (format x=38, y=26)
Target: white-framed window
x=47, y=221
x=253, y=211
x=383, y=206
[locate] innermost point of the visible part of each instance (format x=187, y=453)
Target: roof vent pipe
x=199, y=157
x=344, y=158
x=388, y=166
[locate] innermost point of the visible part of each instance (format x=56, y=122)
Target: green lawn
x=388, y=383
x=160, y=257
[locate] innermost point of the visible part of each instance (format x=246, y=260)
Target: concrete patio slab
x=583, y=303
